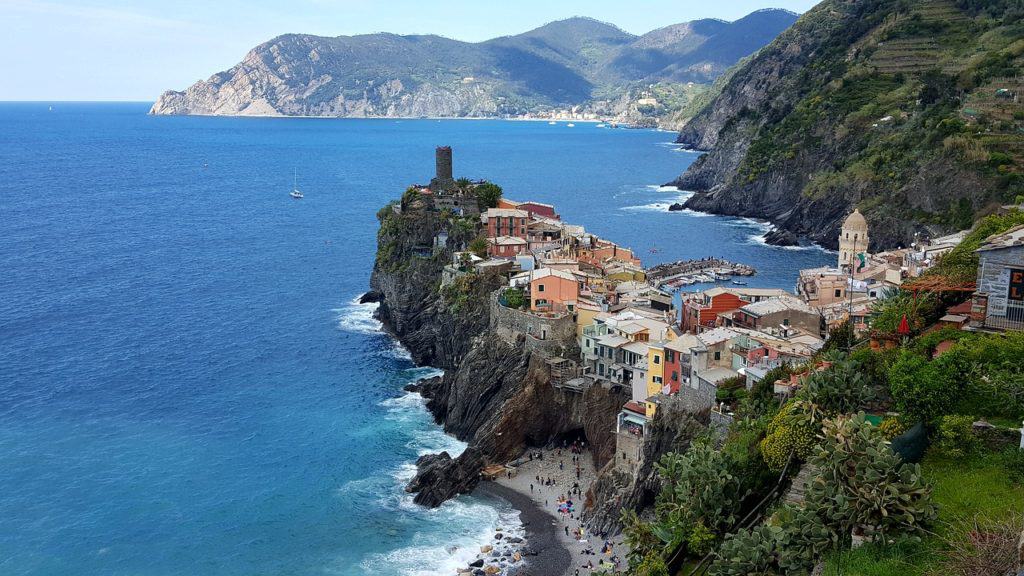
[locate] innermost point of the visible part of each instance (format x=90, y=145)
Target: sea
x=188, y=385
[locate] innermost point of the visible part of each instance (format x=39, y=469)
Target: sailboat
x=295, y=188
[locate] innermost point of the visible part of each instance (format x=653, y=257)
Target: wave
x=662, y=206
x=758, y=239
x=458, y=529
x=411, y=408
x=358, y=317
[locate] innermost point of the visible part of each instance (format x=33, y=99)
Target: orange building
x=553, y=290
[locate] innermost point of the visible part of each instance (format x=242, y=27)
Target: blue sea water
x=186, y=384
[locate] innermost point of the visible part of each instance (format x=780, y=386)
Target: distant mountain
x=564, y=64
x=909, y=110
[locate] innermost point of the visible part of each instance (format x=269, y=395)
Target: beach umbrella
x=904, y=328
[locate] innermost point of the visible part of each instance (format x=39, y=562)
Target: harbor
x=675, y=275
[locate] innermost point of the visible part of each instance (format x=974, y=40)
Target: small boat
x=571, y=125
x=600, y=126
x=552, y=123
x=295, y=193
x=739, y=282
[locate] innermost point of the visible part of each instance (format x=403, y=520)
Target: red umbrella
x=904, y=328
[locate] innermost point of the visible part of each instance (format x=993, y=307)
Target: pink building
x=506, y=222
x=553, y=291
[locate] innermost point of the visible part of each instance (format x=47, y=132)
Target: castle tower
x=443, y=156
x=853, y=239
x=443, y=179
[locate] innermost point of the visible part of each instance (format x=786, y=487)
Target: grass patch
x=964, y=490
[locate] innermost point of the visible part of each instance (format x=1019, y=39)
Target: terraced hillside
x=908, y=109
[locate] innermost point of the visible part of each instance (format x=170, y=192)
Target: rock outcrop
x=672, y=430
x=495, y=393
x=439, y=477
x=779, y=237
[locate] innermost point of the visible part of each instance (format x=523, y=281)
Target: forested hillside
x=908, y=109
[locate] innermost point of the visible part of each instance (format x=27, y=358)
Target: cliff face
x=496, y=392
x=890, y=106
x=672, y=430
x=575, y=62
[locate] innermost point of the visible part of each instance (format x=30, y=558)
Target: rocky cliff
x=672, y=430
x=906, y=109
x=578, y=62
x=496, y=392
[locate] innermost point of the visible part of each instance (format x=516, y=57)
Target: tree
x=479, y=247
x=514, y=298
x=840, y=338
x=487, y=195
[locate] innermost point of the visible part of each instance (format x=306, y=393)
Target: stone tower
x=443, y=180
x=853, y=239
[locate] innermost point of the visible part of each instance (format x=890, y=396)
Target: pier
x=674, y=275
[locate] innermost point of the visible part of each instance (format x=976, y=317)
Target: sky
x=134, y=50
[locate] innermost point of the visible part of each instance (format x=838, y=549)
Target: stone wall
x=628, y=451
x=697, y=399
x=540, y=333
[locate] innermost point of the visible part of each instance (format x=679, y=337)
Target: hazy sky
x=125, y=50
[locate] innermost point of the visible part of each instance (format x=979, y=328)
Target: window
x=657, y=359
x=785, y=321
x=718, y=355
x=657, y=379
x=675, y=376
x=670, y=356
x=540, y=287
x=839, y=292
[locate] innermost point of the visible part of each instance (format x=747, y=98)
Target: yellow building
x=586, y=311
x=655, y=374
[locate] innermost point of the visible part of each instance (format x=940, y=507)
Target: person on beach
x=531, y=488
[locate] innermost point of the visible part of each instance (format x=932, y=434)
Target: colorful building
x=506, y=247
x=553, y=290
x=506, y=222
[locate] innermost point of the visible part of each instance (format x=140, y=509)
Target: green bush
x=515, y=298
x=956, y=438
x=839, y=389
x=980, y=374
x=921, y=389
x=893, y=427
x=792, y=430
x=862, y=484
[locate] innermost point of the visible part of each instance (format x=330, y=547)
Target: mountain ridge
x=568, y=63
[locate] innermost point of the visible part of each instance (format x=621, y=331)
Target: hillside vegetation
x=908, y=109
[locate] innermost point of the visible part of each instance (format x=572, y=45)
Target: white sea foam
x=663, y=204
x=410, y=408
x=461, y=526
x=358, y=318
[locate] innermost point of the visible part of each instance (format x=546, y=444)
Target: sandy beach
x=551, y=528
